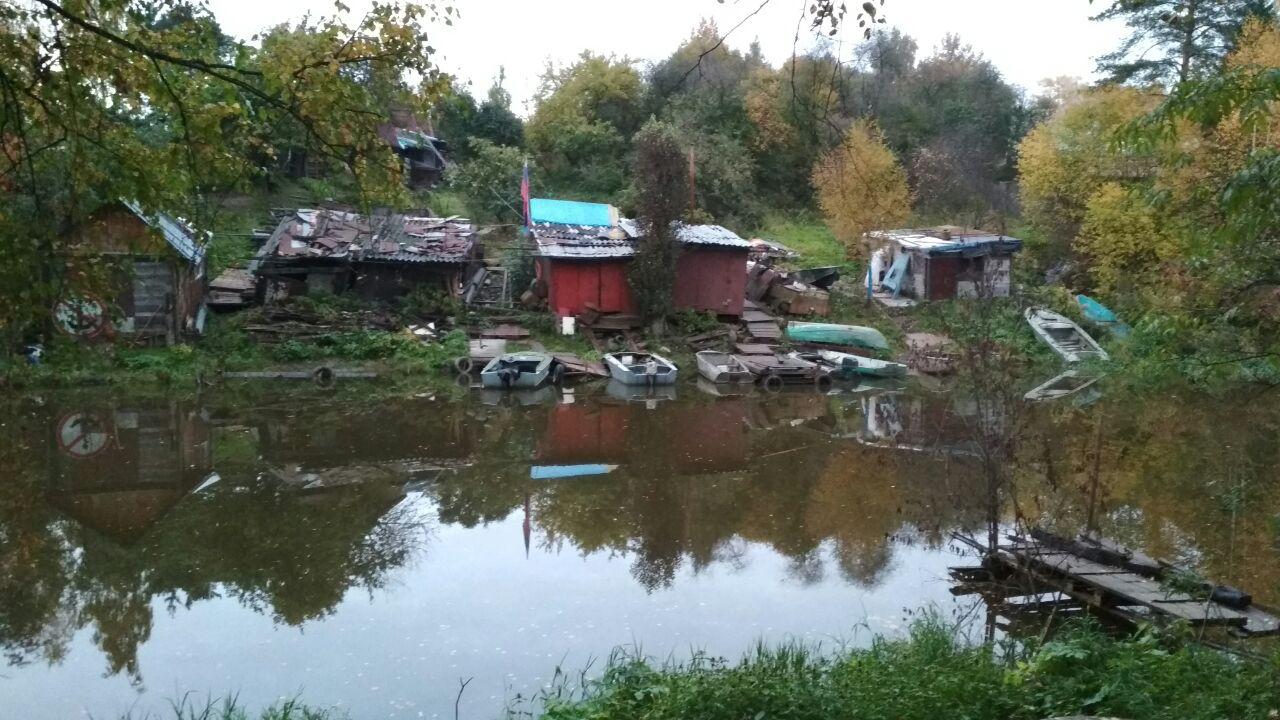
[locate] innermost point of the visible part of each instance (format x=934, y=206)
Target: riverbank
x=928, y=674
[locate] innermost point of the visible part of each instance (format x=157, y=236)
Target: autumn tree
x=149, y=101
x=1066, y=159
x=661, y=198
x=861, y=186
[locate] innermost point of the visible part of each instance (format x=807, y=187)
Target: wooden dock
x=1107, y=578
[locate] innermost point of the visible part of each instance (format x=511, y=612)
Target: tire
x=463, y=364
x=557, y=375
x=772, y=383
x=463, y=380
x=822, y=382
x=324, y=376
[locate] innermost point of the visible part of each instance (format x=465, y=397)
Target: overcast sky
x=1028, y=40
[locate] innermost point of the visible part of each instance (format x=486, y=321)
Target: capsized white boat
x=1064, y=336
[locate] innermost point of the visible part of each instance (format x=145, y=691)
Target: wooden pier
x=1107, y=578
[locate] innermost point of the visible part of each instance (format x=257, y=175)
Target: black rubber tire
x=324, y=376
x=772, y=383
x=463, y=380
x=463, y=364
x=557, y=374
x=822, y=382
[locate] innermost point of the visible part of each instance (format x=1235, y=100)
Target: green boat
x=864, y=366
x=832, y=334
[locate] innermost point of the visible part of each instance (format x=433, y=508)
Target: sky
x=1027, y=40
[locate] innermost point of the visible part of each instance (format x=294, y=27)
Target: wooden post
x=693, y=181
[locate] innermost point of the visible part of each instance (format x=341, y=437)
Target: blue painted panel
x=569, y=212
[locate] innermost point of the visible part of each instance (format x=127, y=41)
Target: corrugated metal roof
x=180, y=236
x=337, y=235
x=710, y=235
x=570, y=212
x=949, y=241
x=590, y=241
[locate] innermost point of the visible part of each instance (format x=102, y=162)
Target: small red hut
x=585, y=265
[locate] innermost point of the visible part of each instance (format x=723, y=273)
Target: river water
x=373, y=551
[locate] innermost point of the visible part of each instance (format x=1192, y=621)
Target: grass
x=932, y=674
x=230, y=709
x=807, y=235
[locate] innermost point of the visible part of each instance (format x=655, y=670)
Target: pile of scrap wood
x=591, y=317
x=277, y=324
x=232, y=290
x=489, y=287
x=802, y=292
x=931, y=354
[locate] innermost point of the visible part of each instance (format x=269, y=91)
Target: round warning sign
x=82, y=435
x=83, y=316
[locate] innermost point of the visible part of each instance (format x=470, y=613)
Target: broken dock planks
x=1111, y=579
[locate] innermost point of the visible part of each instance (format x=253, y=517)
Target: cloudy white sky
x=1028, y=40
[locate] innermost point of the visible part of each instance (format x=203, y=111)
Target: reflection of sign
x=82, y=316
x=82, y=435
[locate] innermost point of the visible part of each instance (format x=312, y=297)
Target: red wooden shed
x=586, y=266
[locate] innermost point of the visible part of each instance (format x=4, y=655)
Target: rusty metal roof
x=585, y=242
x=948, y=240
x=337, y=235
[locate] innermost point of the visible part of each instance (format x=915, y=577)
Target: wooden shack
x=156, y=284
x=380, y=257
x=944, y=262
x=583, y=251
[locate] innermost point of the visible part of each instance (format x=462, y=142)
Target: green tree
x=581, y=128
x=490, y=179
x=661, y=197
x=1173, y=41
x=494, y=120
x=106, y=100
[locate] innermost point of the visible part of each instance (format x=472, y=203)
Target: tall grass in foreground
x=931, y=674
x=229, y=708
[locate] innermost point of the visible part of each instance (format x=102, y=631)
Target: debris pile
x=802, y=292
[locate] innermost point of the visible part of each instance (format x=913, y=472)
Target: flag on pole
x=524, y=194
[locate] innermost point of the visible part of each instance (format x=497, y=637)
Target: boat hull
x=723, y=368
x=1063, y=336
x=519, y=371
x=633, y=369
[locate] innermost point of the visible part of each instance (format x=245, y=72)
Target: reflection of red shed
x=686, y=438
x=586, y=266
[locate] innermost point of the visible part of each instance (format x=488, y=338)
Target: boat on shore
x=721, y=367
x=1102, y=315
x=1060, y=386
x=640, y=368
x=520, y=370
x=864, y=366
x=1064, y=336
x=833, y=334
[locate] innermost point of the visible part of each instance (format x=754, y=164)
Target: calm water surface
x=372, y=554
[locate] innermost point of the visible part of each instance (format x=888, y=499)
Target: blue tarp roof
x=569, y=212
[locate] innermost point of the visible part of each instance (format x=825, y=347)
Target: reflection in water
x=122, y=515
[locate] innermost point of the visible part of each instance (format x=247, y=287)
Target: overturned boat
x=721, y=367
x=1064, y=336
x=521, y=370
x=833, y=334
x=640, y=368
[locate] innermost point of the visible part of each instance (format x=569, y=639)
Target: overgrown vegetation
x=931, y=673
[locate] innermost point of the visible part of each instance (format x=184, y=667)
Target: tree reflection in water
x=316, y=497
